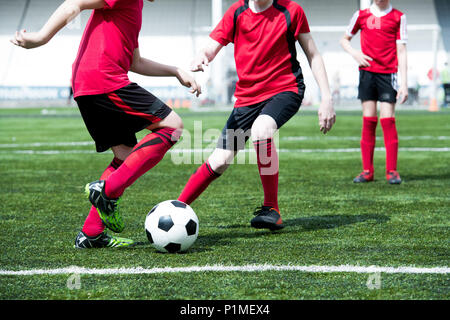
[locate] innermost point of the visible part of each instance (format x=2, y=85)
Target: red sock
x=267, y=157
x=145, y=155
x=93, y=225
x=368, y=139
x=390, y=143
x=198, y=183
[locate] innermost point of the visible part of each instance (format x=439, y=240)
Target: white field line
x=358, y=138
x=47, y=144
x=209, y=150
x=293, y=138
x=221, y=268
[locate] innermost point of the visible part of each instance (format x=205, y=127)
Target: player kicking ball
x=383, y=44
x=112, y=107
x=269, y=92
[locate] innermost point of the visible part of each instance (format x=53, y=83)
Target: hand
x=362, y=59
x=28, y=40
x=402, y=94
x=327, y=115
x=199, y=62
x=188, y=81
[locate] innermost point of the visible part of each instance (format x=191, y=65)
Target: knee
x=177, y=123
x=220, y=160
x=263, y=129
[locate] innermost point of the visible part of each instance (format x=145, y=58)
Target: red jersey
x=264, y=48
x=106, y=50
x=380, y=33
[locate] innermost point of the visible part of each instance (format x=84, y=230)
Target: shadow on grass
x=228, y=233
x=306, y=224
x=334, y=221
x=319, y=222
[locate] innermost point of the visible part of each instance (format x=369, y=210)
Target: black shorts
x=114, y=118
x=377, y=86
x=281, y=107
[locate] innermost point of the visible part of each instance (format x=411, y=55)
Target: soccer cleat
x=365, y=176
x=393, y=177
x=108, y=209
x=267, y=218
x=103, y=240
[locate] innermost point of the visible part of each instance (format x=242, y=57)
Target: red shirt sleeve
x=299, y=21
x=355, y=24
x=224, y=31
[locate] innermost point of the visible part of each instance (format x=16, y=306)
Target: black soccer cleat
x=267, y=218
x=393, y=177
x=108, y=209
x=365, y=176
x=103, y=240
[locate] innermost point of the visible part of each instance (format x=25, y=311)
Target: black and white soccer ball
x=171, y=226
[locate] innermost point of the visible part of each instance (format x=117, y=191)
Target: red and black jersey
x=264, y=48
x=380, y=33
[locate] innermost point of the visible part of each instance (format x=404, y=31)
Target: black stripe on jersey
x=237, y=13
x=296, y=69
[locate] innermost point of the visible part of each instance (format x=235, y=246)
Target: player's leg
x=387, y=88
x=92, y=234
x=145, y=155
x=209, y=171
x=123, y=113
x=388, y=123
x=368, y=95
x=93, y=224
x=233, y=138
x=368, y=139
x=277, y=111
x=268, y=215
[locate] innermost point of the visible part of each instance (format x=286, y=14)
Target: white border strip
x=221, y=268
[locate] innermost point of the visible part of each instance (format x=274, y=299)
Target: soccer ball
x=171, y=226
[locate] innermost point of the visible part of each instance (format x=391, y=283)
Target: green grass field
x=329, y=220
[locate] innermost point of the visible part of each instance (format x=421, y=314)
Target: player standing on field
x=269, y=92
x=383, y=45
x=112, y=107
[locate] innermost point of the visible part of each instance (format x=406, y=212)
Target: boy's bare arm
x=151, y=68
x=362, y=59
x=327, y=115
x=65, y=13
x=403, y=66
x=206, y=55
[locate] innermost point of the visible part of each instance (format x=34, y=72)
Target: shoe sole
x=110, y=221
x=262, y=224
x=125, y=245
x=362, y=181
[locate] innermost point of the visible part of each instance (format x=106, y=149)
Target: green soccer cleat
x=108, y=209
x=103, y=240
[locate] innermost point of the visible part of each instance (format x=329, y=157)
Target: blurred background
x=173, y=30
